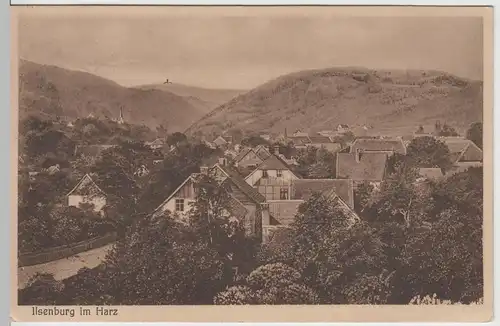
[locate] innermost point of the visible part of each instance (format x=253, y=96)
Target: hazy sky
x=243, y=52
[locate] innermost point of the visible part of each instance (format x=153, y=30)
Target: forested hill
x=51, y=91
x=320, y=99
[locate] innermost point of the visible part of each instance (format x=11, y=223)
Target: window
x=283, y=193
x=179, y=205
x=279, y=173
x=264, y=174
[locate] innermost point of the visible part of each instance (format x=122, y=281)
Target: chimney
x=357, y=155
x=276, y=150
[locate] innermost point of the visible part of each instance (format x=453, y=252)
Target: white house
x=87, y=192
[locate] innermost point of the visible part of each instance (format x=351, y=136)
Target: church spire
x=121, y=120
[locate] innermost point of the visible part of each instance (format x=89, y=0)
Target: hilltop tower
x=121, y=120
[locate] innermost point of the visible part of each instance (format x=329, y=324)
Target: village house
x=463, y=154
x=246, y=204
x=342, y=128
x=251, y=157
x=362, y=166
x=325, y=142
x=87, y=192
x=158, y=143
x=282, y=213
x=272, y=179
x=300, y=141
x=389, y=146
x=463, y=150
x=219, y=141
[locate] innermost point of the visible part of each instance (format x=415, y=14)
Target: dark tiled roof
x=262, y=152
x=273, y=163
x=371, y=167
x=239, y=182
x=283, y=211
x=304, y=188
x=236, y=208
x=242, y=154
x=463, y=150
x=373, y=145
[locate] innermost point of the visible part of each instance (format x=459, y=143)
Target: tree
x=324, y=166
x=176, y=138
x=428, y=152
x=269, y=284
x=446, y=259
x=161, y=262
x=448, y=131
x=254, y=141
x=362, y=196
x=332, y=254
x=475, y=133
x=41, y=289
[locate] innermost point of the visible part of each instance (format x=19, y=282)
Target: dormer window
x=264, y=174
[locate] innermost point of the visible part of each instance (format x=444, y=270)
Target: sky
x=244, y=51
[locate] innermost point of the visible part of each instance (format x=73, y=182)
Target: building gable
x=86, y=187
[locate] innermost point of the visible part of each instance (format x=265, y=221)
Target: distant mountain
x=205, y=99
x=321, y=99
x=53, y=91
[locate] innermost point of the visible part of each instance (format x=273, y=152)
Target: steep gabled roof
x=371, y=167
x=241, y=184
x=304, y=188
x=242, y=154
x=262, y=152
x=220, y=141
x=463, y=150
x=85, y=180
x=273, y=163
x=379, y=145
x=192, y=177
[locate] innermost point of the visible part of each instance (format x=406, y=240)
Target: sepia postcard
x=254, y=164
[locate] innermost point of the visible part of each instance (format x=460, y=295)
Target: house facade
x=272, y=179
x=245, y=205
x=282, y=213
x=251, y=157
x=87, y=192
